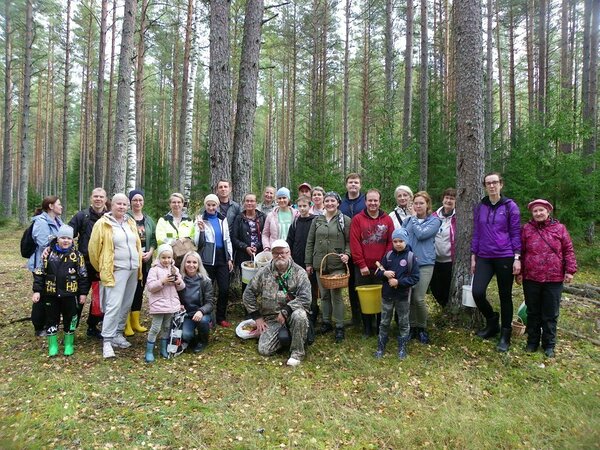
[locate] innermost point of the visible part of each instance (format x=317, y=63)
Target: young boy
x=399, y=266
x=61, y=282
x=296, y=239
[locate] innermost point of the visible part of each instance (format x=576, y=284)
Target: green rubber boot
x=52, y=345
x=69, y=341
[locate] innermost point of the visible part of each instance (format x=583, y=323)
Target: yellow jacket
x=102, y=252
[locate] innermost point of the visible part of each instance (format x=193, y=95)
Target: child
x=400, y=268
x=62, y=279
x=296, y=239
x=163, y=283
x=198, y=300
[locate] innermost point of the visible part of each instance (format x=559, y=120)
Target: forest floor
x=457, y=392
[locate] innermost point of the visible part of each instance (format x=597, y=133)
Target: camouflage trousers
x=387, y=313
x=297, y=323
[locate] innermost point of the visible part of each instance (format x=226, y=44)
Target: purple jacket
x=496, y=229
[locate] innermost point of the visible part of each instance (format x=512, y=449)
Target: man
x=82, y=224
x=370, y=238
x=227, y=207
x=304, y=190
x=282, y=311
x=268, y=203
x=353, y=203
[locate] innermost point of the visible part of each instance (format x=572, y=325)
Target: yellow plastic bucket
x=370, y=298
x=249, y=269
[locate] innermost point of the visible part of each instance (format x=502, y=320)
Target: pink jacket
x=163, y=299
x=546, y=252
x=271, y=230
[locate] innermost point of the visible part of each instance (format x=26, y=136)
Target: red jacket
x=370, y=238
x=547, y=251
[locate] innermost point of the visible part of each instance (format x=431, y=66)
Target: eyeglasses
x=277, y=254
x=492, y=183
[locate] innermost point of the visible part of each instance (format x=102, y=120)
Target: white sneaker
x=107, y=350
x=120, y=342
x=293, y=362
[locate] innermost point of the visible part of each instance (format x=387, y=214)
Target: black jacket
x=197, y=295
x=82, y=224
x=297, y=237
x=240, y=236
x=61, y=274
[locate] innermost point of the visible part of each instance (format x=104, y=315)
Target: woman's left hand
x=344, y=258
x=198, y=316
x=568, y=277
x=516, y=267
x=230, y=265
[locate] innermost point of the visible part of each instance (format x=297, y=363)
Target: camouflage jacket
x=266, y=297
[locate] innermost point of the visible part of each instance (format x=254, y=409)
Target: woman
x=495, y=250
x=444, y=248
x=278, y=221
x=548, y=261
x=198, y=300
x=330, y=233
x=214, y=245
x=317, y=196
x=247, y=232
x=145, y=226
x=404, y=197
x=115, y=252
x=175, y=224
x=46, y=222
x=422, y=227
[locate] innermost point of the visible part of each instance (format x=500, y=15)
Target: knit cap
x=134, y=192
x=65, y=231
x=163, y=248
x=211, y=198
x=283, y=192
x=400, y=233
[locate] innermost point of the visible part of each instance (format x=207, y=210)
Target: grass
x=457, y=393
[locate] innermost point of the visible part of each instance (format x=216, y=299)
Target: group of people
x=316, y=235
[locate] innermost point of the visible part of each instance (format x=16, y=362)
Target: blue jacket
x=400, y=264
x=351, y=208
x=421, y=237
x=43, y=228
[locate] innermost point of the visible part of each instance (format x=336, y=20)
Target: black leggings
x=57, y=307
x=485, y=269
x=139, y=290
x=219, y=273
x=440, y=282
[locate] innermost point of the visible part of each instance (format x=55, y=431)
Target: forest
x=172, y=96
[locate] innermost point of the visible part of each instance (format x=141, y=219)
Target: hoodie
x=496, y=229
x=370, y=238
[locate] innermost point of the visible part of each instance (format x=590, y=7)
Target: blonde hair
x=427, y=198
x=201, y=269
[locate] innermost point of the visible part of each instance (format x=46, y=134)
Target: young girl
x=63, y=281
x=198, y=300
x=163, y=283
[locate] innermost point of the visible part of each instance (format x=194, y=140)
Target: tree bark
x=542, y=63
x=118, y=167
x=100, y=148
x=109, y=118
x=7, y=153
x=389, y=68
x=470, y=141
x=489, y=85
x=407, y=112
x=65, y=136
x=246, y=98
x=219, y=93
x=346, y=105
x=140, y=107
x=185, y=80
x=424, y=97
x=566, y=88
x=511, y=78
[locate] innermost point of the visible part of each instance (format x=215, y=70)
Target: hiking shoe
x=339, y=335
x=293, y=362
x=41, y=333
x=199, y=348
x=531, y=348
x=120, y=342
x=107, y=350
x=326, y=327
x=94, y=332
x=549, y=352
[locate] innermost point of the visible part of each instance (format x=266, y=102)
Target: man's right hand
x=261, y=325
x=364, y=271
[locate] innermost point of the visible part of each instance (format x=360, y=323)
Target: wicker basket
x=518, y=327
x=335, y=281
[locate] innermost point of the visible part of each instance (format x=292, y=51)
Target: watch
x=517, y=257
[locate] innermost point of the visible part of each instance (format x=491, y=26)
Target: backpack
x=409, y=259
x=28, y=245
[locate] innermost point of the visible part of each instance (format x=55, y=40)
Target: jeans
x=485, y=269
x=190, y=327
x=418, y=306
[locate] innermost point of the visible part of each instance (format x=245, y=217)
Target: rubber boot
x=149, y=356
x=492, y=327
x=340, y=335
x=128, y=331
x=69, y=341
x=504, y=339
x=381, y=343
x=402, y=341
x=134, y=318
x=52, y=345
x=163, y=348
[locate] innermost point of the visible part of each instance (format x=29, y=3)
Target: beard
x=282, y=264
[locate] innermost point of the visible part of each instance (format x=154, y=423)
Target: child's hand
x=169, y=279
x=393, y=282
x=82, y=299
x=35, y=297
x=389, y=274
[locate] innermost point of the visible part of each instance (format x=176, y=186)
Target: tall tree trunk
x=132, y=167
x=346, y=106
x=366, y=84
x=542, y=64
x=25, y=150
x=118, y=168
x=511, y=78
x=424, y=97
x=65, y=136
x=565, y=73
x=530, y=58
x=219, y=93
x=501, y=113
x=109, y=118
x=389, y=67
x=246, y=98
x=407, y=112
x=100, y=148
x=469, y=120
x=140, y=110
x=489, y=85
x=185, y=79
x=7, y=154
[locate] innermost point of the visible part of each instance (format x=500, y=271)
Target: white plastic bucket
x=263, y=259
x=467, y=295
x=249, y=269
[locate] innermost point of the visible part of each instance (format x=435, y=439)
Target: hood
x=486, y=201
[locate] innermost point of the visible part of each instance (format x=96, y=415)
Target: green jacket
x=328, y=237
